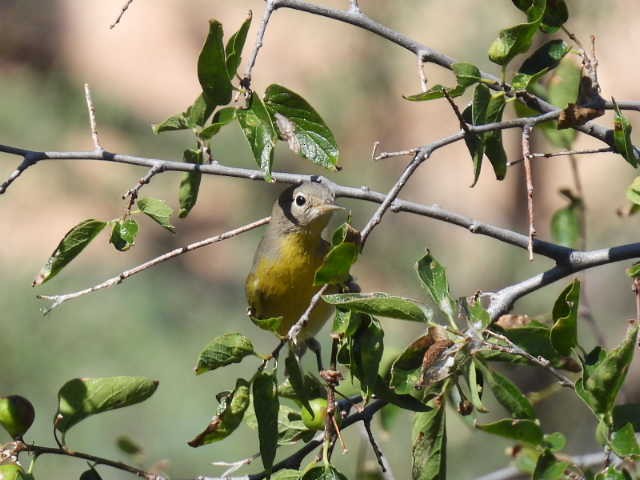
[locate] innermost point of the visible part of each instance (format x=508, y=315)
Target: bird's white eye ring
x=300, y=200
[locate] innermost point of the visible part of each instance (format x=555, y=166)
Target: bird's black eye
x=300, y=200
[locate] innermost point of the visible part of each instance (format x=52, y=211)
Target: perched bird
x=280, y=283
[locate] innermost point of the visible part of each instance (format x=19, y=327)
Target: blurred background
x=155, y=324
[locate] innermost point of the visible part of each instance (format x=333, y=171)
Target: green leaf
x=566, y=224
x=382, y=305
x=622, y=137
x=260, y=133
x=91, y=474
x=612, y=473
x=604, y=373
x=474, y=141
x=212, y=68
x=174, y=122
x=124, y=233
x=323, y=473
x=233, y=50
x=549, y=467
x=16, y=415
x=228, y=416
x=13, y=471
x=429, y=445
x=296, y=379
x=555, y=15
x=158, y=211
x=336, y=264
x=476, y=387
x=272, y=324
x=199, y=112
x=479, y=316
x=624, y=443
x=520, y=430
x=222, y=117
x=507, y=393
x=633, y=191
x=74, y=241
x=433, y=277
x=224, y=350
x=493, y=148
x=517, y=39
x=535, y=338
x=367, y=354
x=266, y=406
x=313, y=388
x=190, y=183
x=291, y=427
x=82, y=397
x=301, y=126
x=467, y=74
x=555, y=441
x=286, y=474
x=545, y=58
x=564, y=333
x=435, y=92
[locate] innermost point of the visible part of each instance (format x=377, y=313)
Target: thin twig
x=133, y=192
x=92, y=118
x=26, y=163
x=121, y=14
x=235, y=466
x=563, y=153
x=421, y=75
x=297, y=327
x=400, y=153
x=374, y=445
x=526, y=155
x=353, y=6
x=268, y=10
x=463, y=124
x=118, y=279
x=514, y=349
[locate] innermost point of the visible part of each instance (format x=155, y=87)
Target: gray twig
x=58, y=300
x=297, y=327
x=268, y=10
x=92, y=118
x=124, y=8
x=588, y=151
x=526, y=154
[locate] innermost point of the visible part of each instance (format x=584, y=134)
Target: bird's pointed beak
x=326, y=209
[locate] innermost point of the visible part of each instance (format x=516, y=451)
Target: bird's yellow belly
x=282, y=286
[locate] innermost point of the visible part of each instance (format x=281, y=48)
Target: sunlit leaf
x=158, y=211
x=381, y=304
x=622, y=137
x=520, y=430
x=222, y=117
x=233, y=50
x=336, y=264
x=466, y=73
x=435, y=92
x=624, y=443
x=124, y=233
x=83, y=397
x=434, y=279
x=228, y=417
x=212, y=68
x=16, y=415
x=429, y=445
x=507, y=393
x=74, y=241
x=259, y=131
x=564, y=333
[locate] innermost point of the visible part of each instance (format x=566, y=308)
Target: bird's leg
x=315, y=347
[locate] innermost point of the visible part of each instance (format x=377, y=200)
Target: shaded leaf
x=174, y=122
x=224, y=350
x=433, y=277
x=507, y=393
x=198, y=113
x=127, y=445
x=228, y=416
x=429, y=445
x=74, y=241
x=296, y=379
x=628, y=413
x=233, y=50
x=367, y=354
x=466, y=73
x=158, y=211
x=566, y=223
x=564, y=333
x=91, y=474
x=16, y=415
x=190, y=183
x=212, y=68
x=124, y=233
x=613, y=473
x=555, y=441
x=475, y=381
x=545, y=58
x=549, y=467
x=302, y=127
x=493, y=148
x=520, y=430
x=272, y=324
x=266, y=406
x=323, y=473
x=604, y=373
x=286, y=474
x=435, y=92
x=222, y=117
x=260, y=133
x=622, y=137
x=82, y=397
x=336, y=264
x=382, y=305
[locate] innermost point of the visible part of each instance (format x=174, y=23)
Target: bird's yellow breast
x=281, y=282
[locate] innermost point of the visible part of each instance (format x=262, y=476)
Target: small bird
x=280, y=283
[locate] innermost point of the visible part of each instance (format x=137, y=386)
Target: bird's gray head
x=305, y=206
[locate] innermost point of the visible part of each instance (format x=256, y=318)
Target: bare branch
x=268, y=10
x=588, y=151
x=235, y=466
x=118, y=279
x=121, y=14
x=421, y=74
x=297, y=327
x=133, y=192
x=92, y=118
x=400, y=153
x=526, y=155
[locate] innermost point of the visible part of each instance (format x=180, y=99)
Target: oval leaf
x=381, y=304
x=259, y=131
x=507, y=393
x=82, y=397
x=233, y=50
x=434, y=279
x=69, y=248
x=158, y=210
x=301, y=126
x=190, y=183
x=622, y=137
x=228, y=417
x=224, y=350
x=266, y=406
x=429, y=445
x=212, y=68
x=16, y=415
x=520, y=430
x=123, y=235
x=336, y=264
x=564, y=333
